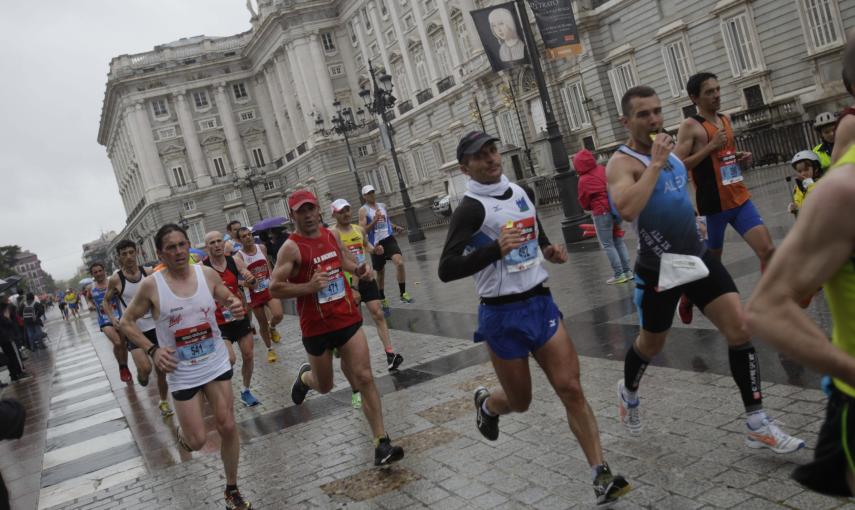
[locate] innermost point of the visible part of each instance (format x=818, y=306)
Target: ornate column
x=402, y=44
x=302, y=88
x=323, y=76
x=295, y=118
x=270, y=104
x=191, y=140
x=379, y=36
x=150, y=166
x=233, y=141
x=427, y=50
x=449, y=32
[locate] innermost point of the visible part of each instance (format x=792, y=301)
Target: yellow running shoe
x=274, y=335
x=165, y=410
x=271, y=356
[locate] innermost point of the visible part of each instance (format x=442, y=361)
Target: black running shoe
x=299, y=389
x=609, y=487
x=234, y=501
x=487, y=425
x=387, y=453
x=394, y=360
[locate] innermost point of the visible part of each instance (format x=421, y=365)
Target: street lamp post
x=343, y=123
x=250, y=179
x=379, y=102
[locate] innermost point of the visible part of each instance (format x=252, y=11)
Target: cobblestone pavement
x=319, y=455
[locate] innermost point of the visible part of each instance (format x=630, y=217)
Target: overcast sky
x=59, y=190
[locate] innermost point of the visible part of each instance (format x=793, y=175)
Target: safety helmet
x=824, y=119
x=805, y=155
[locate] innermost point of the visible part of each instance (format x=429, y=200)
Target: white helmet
x=805, y=155
x=824, y=119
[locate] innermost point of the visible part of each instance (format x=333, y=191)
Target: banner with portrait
x=501, y=35
x=557, y=26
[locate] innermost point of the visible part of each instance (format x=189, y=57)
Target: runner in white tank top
x=183, y=300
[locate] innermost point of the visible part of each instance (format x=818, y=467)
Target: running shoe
x=685, y=309
x=356, y=400
x=386, y=453
x=630, y=416
x=274, y=335
x=142, y=380
x=621, y=278
x=271, y=356
x=487, y=425
x=234, y=501
x=165, y=410
x=384, y=303
x=125, y=374
x=406, y=298
x=772, y=437
x=248, y=398
x=300, y=389
x=629, y=275
x=609, y=487
x=394, y=360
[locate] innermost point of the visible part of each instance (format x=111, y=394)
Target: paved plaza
x=92, y=442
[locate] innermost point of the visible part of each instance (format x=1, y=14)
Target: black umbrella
x=8, y=283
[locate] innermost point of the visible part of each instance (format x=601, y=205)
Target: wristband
x=151, y=350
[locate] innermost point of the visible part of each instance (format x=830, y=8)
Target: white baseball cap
x=339, y=204
x=367, y=189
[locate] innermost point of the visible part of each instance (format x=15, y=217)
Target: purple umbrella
x=269, y=223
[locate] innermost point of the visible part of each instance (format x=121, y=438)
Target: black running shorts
x=187, y=394
x=368, y=290
x=150, y=334
x=316, y=345
x=390, y=248
x=235, y=330
x=656, y=309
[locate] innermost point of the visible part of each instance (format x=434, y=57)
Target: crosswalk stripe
x=79, y=391
x=69, y=453
x=70, y=382
x=90, y=421
x=92, y=402
x=86, y=484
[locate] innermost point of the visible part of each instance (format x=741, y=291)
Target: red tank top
x=333, y=308
x=230, y=280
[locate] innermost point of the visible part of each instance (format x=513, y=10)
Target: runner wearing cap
x=267, y=311
x=496, y=237
x=374, y=218
x=310, y=267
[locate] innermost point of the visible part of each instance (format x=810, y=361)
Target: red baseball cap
x=300, y=197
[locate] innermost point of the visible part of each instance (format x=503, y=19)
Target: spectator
x=12, y=416
x=32, y=312
x=8, y=333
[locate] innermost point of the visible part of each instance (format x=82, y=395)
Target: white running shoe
x=630, y=416
x=772, y=437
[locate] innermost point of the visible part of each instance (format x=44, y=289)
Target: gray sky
x=59, y=190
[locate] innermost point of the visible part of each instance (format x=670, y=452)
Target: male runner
x=71, y=300
x=108, y=314
x=374, y=218
x=124, y=284
x=268, y=311
x=232, y=238
x=63, y=308
x=234, y=330
x=495, y=236
x=182, y=299
x=819, y=250
x=310, y=268
x=649, y=186
x=706, y=146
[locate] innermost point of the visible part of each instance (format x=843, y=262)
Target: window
x=401, y=82
x=438, y=153
x=390, y=35
x=246, y=115
x=232, y=195
x=269, y=185
x=677, y=65
x=622, y=78
x=509, y=129
x=237, y=215
x=276, y=208
x=421, y=172
x=219, y=166
x=336, y=70
x=408, y=21
x=538, y=118
x=463, y=37
x=178, y=176
x=328, y=42
x=574, y=105
x=167, y=133
x=158, y=106
x=351, y=28
x=741, y=45
x=364, y=150
x=196, y=232
x=258, y=157
x=441, y=52
x=206, y=124
x=189, y=205
x=821, y=21
x=239, y=90
x=421, y=70
x=753, y=97
x=200, y=99
x=430, y=5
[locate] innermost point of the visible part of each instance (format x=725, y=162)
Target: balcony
x=301, y=149
x=136, y=209
x=424, y=96
x=222, y=179
x=190, y=186
x=405, y=106
x=766, y=115
x=445, y=84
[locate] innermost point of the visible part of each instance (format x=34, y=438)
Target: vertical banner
x=501, y=35
x=557, y=26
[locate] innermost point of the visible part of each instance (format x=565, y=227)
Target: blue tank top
x=667, y=223
x=98, y=297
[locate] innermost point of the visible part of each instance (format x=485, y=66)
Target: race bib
x=335, y=289
x=528, y=255
x=261, y=274
x=730, y=171
x=358, y=253
x=194, y=345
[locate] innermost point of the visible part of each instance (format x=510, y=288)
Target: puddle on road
x=371, y=483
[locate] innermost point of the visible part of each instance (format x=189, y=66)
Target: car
x=442, y=206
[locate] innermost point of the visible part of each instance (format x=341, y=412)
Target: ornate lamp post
x=344, y=123
x=251, y=176
x=380, y=101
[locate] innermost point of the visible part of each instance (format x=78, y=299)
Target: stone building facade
x=29, y=267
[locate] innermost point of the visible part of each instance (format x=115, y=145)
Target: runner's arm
x=287, y=260
x=844, y=137
x=690, y=133
x=136, y=309
x=367, y=246
x=820, y=243
x=222, y=295
x=241, y=265
x=348, y=261
x=465, y=222
x=363, y=219
x=112, y=291
x=630, y=196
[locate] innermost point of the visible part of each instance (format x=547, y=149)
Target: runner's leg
x=191, y=419
x=263, y=325
x=380, y=321
x=355, y=357
x=120, y=349
x=514, y=395
x=246, y=352
x=221, y=400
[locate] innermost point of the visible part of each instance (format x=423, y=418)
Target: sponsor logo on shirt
x=522, y=204
x=325, y=256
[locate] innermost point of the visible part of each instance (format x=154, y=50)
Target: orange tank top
x=718, y=177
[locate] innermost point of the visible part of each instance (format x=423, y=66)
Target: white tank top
x=145, y=323
x=189, y=325
x=521, y=269
x=257, y=265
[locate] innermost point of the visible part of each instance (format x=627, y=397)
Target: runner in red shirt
x=310, y=267
x=268, y=311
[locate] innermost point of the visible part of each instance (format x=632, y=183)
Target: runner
x=495, y=236
x=231, y=238
x=309, y=267
x=649, y=186
x=181, y=299
x=63, y=308
x=374, y=219
x=819, y=250
x=124, y=284
x=825, y=125
x=268, y=311
x=108, y=313
x=235, y=331
x=706, y=146
x=71, y=300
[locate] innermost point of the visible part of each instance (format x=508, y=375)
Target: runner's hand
x=362, y=271
x=164, y=359
x=319, y=281
x=236, y=307
x=510, y=239
x=555, y=253
x=378, y=250
x=663, y=144
x=719, y=140
x=398, y=228
x=745, y=159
